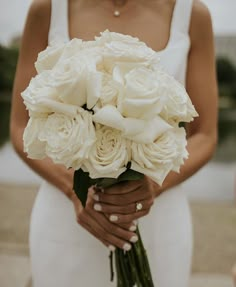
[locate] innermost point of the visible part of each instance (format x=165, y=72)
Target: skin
x=138, y=18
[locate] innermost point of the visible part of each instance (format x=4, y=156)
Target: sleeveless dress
x=63, y=254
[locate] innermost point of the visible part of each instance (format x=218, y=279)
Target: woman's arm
x=202, y=88
x=35, y=39
x=202, y=132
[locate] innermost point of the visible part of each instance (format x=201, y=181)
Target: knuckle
x=146, y=212
x=150, y=202
x=89, y=204
x=79, y=219
x=103, y=234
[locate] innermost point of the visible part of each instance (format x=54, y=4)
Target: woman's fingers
x=123, y=187
x=126, y=218
x=95, y=234
x=127, y=226
x=102, y=228
x=121, y=209
x=108, y=226
x=121, y=200
x=114, y=229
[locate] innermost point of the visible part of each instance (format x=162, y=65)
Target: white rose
x=93, y=88
x=182, y=152
x=122, y=51
x=110, y=91
x=77, y=81
x=139, y=130
x=71, y=48
x=107, y=37
x=68, y=139
x=178, y=106
x=143, y=97
x=39, y=88
x=124, y=48
x=157, y=159
x=41, y=97
x=109, y=155
x=48, y=58
x=119, y=44
x=69, y=80
x=32, y=145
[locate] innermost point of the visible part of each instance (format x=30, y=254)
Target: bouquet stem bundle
x=132, y=267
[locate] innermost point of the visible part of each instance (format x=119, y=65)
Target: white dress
x=63, y=254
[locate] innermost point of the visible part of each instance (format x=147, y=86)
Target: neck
x=119, y=2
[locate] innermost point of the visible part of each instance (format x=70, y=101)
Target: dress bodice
x=173, y=57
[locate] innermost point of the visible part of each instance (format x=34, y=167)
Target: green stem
x=118, y=271
x=134, y=268
x=145, y=263
x=138, y=258
x=122, y=268
x=111, y=266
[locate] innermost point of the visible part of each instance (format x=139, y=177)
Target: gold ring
x=138, y=206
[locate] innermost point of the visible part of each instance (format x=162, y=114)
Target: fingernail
x=132, y=228
x=135, y=222
x=134, y=239
x=96, y=197
x=113, y=218
x=97, y=207
x=91, y=189
x=127, y=246
x=112, y=248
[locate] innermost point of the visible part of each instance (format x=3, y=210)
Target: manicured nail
x=113, y=218
x=97, y=207
x=112, y=248
x=96, y=197
x=91, y=190
x=134, y=239
x=127, y=246
x=132, y=228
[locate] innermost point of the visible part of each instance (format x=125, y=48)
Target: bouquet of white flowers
x=107, y=109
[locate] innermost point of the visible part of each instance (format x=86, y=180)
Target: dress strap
x=58, y=31
x=182, y=16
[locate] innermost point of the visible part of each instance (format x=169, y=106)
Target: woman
x=63, y=252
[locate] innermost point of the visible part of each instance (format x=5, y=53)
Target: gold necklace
x=118, y=3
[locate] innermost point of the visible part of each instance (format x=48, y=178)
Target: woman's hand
x=109, y=233
x=127, y=201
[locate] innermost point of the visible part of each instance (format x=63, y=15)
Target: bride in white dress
x=66, y=241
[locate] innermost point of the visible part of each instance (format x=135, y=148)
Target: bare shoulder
x=37, y=24
x=39, y=13
x=40, y=8
x=201, y=23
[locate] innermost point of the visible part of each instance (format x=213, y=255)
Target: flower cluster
x=99, y=105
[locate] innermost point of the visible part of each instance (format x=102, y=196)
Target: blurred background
x=212, y=191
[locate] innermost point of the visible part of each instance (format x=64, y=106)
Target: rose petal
x=109, y=116
x=158, y=174
x=148, y=131
x=94, y=86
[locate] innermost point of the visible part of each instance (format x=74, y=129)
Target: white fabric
x=58, y=31
x=63, y=253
